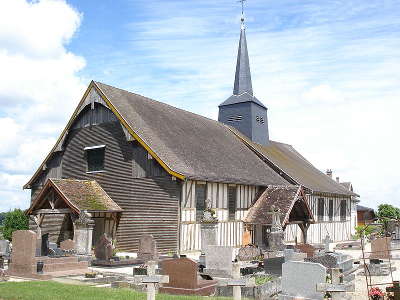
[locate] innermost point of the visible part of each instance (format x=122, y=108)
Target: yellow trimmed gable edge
x=123, y=122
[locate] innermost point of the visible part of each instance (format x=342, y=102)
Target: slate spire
x=242, y=82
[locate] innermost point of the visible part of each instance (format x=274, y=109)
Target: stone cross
x=335, y=288
x=326, y=241
x=151, y=279
x=236, y=282
x=395, y=289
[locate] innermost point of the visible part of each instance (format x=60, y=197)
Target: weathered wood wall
x=146, y=193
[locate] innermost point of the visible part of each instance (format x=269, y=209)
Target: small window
x=343, y=209
x=201, y=194
x=321, y=209
x=232, y=202
x=95, y=158
x=330, y=210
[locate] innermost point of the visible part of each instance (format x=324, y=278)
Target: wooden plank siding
x=148, y=196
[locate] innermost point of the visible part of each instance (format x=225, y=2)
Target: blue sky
x=327, y=70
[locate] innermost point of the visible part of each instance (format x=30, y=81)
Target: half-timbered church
x=137, y=166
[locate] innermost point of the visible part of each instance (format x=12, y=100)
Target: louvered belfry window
x=201, y=194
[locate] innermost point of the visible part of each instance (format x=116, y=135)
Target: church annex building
x=137, y=166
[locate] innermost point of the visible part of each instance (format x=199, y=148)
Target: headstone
x=147, y=248
x=273, y=266
x=291, y=255
x=246, y=238
x=306, y=248
x=208, y=235
x=4, y=247
x=23, y=260
x=300, y=279
x=336, y=289
x=67, y=245
x=381, y=247
x=183, y=278
x=326, y=242
x=237, y=282
x=83, y=233
x=219, y=261
x=45, y=245
x=104, y=248
x=249, y=253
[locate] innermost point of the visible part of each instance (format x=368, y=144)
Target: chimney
x=329, y=173
x=337, y=179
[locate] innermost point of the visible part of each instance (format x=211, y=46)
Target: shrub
x=14, y=220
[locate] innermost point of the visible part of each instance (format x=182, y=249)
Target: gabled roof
x=292, y=164
x=189, y=144
x=185, y=144
x=290, y=200
x=79, y=195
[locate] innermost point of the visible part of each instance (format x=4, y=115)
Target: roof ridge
x=162, y=103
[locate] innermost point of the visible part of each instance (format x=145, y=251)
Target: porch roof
x=289, y=199
x=78, y=195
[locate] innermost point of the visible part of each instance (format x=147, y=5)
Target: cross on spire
x=242, y=18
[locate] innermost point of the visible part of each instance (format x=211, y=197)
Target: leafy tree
x=2, y=217
x=387, y=211
x=14, y=220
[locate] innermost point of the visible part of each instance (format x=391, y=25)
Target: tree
x=14, y=220
x=387, y=211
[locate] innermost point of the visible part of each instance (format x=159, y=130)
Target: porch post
x=304, y=228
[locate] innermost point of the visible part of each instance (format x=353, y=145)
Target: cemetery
x=139, y=199
x=281, y=271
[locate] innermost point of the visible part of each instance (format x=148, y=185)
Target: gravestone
x=4, y=248
x=23, y=260
x=83, y=233
x=380, y=248
x=306, y=248
x=104, y=248
x=147, y=248
x=300, y=279
x=291, y=255
x=249, y=253
x=327, y=241
x=67, y=245
x=183, y=278
x=273, y=266
x=219, y=261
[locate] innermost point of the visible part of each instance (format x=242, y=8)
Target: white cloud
x=39, y=87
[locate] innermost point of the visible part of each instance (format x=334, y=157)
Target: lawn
x=50, y=290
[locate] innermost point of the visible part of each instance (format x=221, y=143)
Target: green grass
x=50, y=290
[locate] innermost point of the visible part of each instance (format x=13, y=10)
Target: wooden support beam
x=52, y=211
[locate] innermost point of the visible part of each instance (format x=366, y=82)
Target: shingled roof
x=189, y=144
x=79, y=195
x=287, y=160
x=290, y=200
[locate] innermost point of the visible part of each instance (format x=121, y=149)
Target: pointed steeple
x=242, y=76
x=242, y=110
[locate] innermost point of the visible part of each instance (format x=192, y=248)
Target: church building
x=135, y=166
